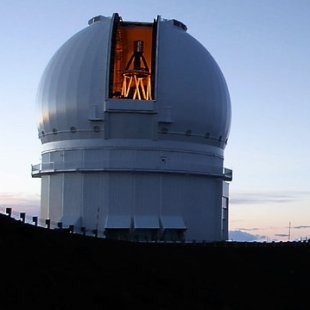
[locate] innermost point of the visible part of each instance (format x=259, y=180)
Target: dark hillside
x=51, y=269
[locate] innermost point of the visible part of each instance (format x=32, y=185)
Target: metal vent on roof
x=179, y=24
x=146, y=222
x=95, y=19
x=118, y=222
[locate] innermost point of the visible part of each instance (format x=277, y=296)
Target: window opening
x=132, y=60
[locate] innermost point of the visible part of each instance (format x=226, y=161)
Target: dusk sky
x=263, y=49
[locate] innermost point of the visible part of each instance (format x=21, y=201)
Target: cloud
x=239, y=235
x=249, y=229
x=20, y=202
x=281, y=235
x=301, y=227
x=267, y=197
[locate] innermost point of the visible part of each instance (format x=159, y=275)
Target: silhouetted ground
x=51, y=269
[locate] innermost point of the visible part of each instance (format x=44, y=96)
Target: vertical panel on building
x=56, y=197
x=225, y=210
x=45, y=179
x=121, y=197
x=147, y=193
x=95, y=191
x=72, y=199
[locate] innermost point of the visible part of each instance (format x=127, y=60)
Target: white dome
x=191, y=99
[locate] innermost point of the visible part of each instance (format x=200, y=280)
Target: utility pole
x=289, y=231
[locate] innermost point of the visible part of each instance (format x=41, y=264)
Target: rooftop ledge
x=129, y=105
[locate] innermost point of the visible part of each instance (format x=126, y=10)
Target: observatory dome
x=134, y=118
x=187, y=90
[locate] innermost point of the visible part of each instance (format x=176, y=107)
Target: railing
x=228, y=174
x=213, y=171
x=37, y=169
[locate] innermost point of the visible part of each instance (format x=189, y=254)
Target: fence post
x=8, y=211
x=22, y=216
x=35, y=220
x=48, y=223
x=83, y=230
x=95, y=231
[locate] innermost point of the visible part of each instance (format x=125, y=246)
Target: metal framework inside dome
x=132, y=61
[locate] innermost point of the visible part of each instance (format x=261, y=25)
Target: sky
x=263, y=50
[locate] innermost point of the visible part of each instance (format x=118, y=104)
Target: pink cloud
x=20, y=202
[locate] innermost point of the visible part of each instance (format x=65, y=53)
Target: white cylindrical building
x=134, y=118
